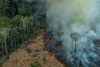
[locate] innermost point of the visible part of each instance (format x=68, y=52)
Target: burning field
x=75, y=31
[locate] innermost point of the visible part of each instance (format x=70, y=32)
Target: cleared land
x=32, y=50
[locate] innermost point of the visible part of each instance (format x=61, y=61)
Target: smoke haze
x=70, y=16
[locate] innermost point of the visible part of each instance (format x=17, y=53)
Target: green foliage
x=1, y=63
x=0, y=36
x=44, y=59
x=16, y=21
x=12, y=9
x=3, y=7
x=22, y=10
x=35, y=63
x=35, y=32
x=23, y=18
x=8, y=8
x=4, y=22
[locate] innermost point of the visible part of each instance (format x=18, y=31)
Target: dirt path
x=34, y=50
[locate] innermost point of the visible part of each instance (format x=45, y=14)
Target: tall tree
x=4, y=34
x=3, y=7
x=12, y=8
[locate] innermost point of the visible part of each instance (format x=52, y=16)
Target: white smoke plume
x=70, y=16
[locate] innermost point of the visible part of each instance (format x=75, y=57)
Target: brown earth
x=34, y=50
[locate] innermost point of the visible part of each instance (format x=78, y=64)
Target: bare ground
x=34, y=50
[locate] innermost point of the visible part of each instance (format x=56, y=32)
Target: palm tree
x=75, y=37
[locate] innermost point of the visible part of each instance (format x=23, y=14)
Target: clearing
x=33, y=49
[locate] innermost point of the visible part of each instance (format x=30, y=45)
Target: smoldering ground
x=76, y=23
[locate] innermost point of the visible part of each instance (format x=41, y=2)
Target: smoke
x=30, y=0
x=80, y=17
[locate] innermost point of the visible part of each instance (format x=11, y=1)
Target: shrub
x=44, y=59
x=35, y=63
x=1, y=63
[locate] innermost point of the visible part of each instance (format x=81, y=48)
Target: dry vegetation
x=34, y=52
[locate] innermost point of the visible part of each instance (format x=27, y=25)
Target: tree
x=3, y=7
x=8, y=8
x=1, y=46
x=5, y=22
x=12, y=9
x=75, y=37
x=4, y=34
x=16, y=21
x=22, y=10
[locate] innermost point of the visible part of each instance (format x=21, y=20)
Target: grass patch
x=35, y=63
x=44, y=59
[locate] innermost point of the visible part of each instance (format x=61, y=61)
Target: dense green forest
x=19, y=20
